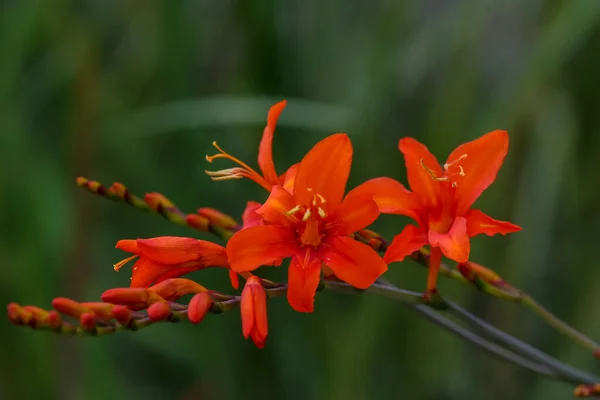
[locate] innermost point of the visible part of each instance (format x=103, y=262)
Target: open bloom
x=253, y=306
x=311, y=225
x=441, y=199
x=269, y=176
x=167, y=257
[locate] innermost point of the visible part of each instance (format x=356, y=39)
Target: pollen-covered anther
x=121, y=263
x=306, y=215
x=446, y=175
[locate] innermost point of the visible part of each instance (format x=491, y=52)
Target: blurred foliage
x=136, y=91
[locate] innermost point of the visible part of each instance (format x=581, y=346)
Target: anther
x=321, y=212
x=306, y=215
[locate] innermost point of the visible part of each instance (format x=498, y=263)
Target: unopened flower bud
x=199, y=307
x=159, y=311
x=218, y=218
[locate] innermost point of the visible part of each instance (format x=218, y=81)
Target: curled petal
x=275, y=210
x=355, y=213
x=146, y=272
x=405, y=243
x=250, y=217
x=478, y=223
x=128, y=245
x=423, y=170
x=390, y=196
x=289, y=177
x=352, y=261
x=455, y=244
x=304, y=274
x=324, y=171
x=480, y=160
x=265, y=149
x=260, y=245
x=234, y=279
x=177, y=250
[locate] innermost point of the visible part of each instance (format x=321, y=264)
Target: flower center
x=451, y=169
x=310, y=220
x=243, y=171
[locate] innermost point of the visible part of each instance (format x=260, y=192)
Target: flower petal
x=250, y=217
x=351, y=261
x=304, y=274
x=324, y=171
x=455, y=244
x=478, y=223
x=260, y=245
x=128, y=245
x=405, y=243
x=265, y=149
x=355, y=213
x=422, y=169
x=289, y=178
x=480, y=160
x=275, y=210
x=391, y=197
x=177, y=250
x=146, y=272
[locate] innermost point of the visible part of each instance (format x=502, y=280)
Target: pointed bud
x=157, y=201
x=118, y=190
x=39, y=316
x=18, y=315
x=122, y=314
x=134, y=298
x=159, y=311
x=69, y=307
x=54, y=320
x=92, y=186
x=253, y=306
x=197, y=222
x=471, y=270
x=88, y=320
x=218, y=218
x=103, y=310
x=175, y=288
x=587, y=390
x=199, y=306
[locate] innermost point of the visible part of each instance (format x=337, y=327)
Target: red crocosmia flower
x=253, y=306
x=269, y=176
x=167, y=257
x=441, y=199
x=311, y=224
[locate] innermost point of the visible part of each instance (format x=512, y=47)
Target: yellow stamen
x=321, y=212
x=120, y=264
x=306, y=215
x=234, y=173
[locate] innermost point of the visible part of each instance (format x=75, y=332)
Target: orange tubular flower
x=269, y=177
x=167, y=257
x=311, y=225
x=441, y=199
x=253, y=306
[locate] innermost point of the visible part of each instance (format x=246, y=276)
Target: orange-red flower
x=311, y=224
x=441, y=199
x=253, y=306
x=269, y=177
x=167, y=257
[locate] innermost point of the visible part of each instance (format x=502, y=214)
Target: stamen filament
x=121, y=263
x=235, y=173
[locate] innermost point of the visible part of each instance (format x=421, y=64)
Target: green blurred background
x=136, y=91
